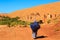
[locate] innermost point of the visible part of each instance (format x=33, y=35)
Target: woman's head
x=40, y=22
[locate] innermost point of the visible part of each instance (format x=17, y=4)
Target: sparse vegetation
x=31, y=17
x=56, y=19
x=48, y=21
x=5, y=20
x=45, y=16
x=50, y=16
x=38, y=14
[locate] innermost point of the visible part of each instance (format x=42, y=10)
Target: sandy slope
x=37, y=12
x=20, y=33
x=29, y=14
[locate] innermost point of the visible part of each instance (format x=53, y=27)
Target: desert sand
x=37, y=12
x=47, y=32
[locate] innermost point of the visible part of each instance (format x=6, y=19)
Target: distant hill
x=38, y=12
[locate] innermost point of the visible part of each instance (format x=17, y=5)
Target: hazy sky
x=7, y=6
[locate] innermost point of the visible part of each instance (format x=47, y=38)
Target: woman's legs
x=34, y=34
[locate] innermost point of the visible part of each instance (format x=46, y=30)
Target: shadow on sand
x=41, y=37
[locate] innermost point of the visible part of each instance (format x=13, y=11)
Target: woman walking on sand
x=34, y=27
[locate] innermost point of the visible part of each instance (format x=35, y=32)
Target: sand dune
x=47, y=32
x=29, y=14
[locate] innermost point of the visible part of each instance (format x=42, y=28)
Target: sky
x=7, y=6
